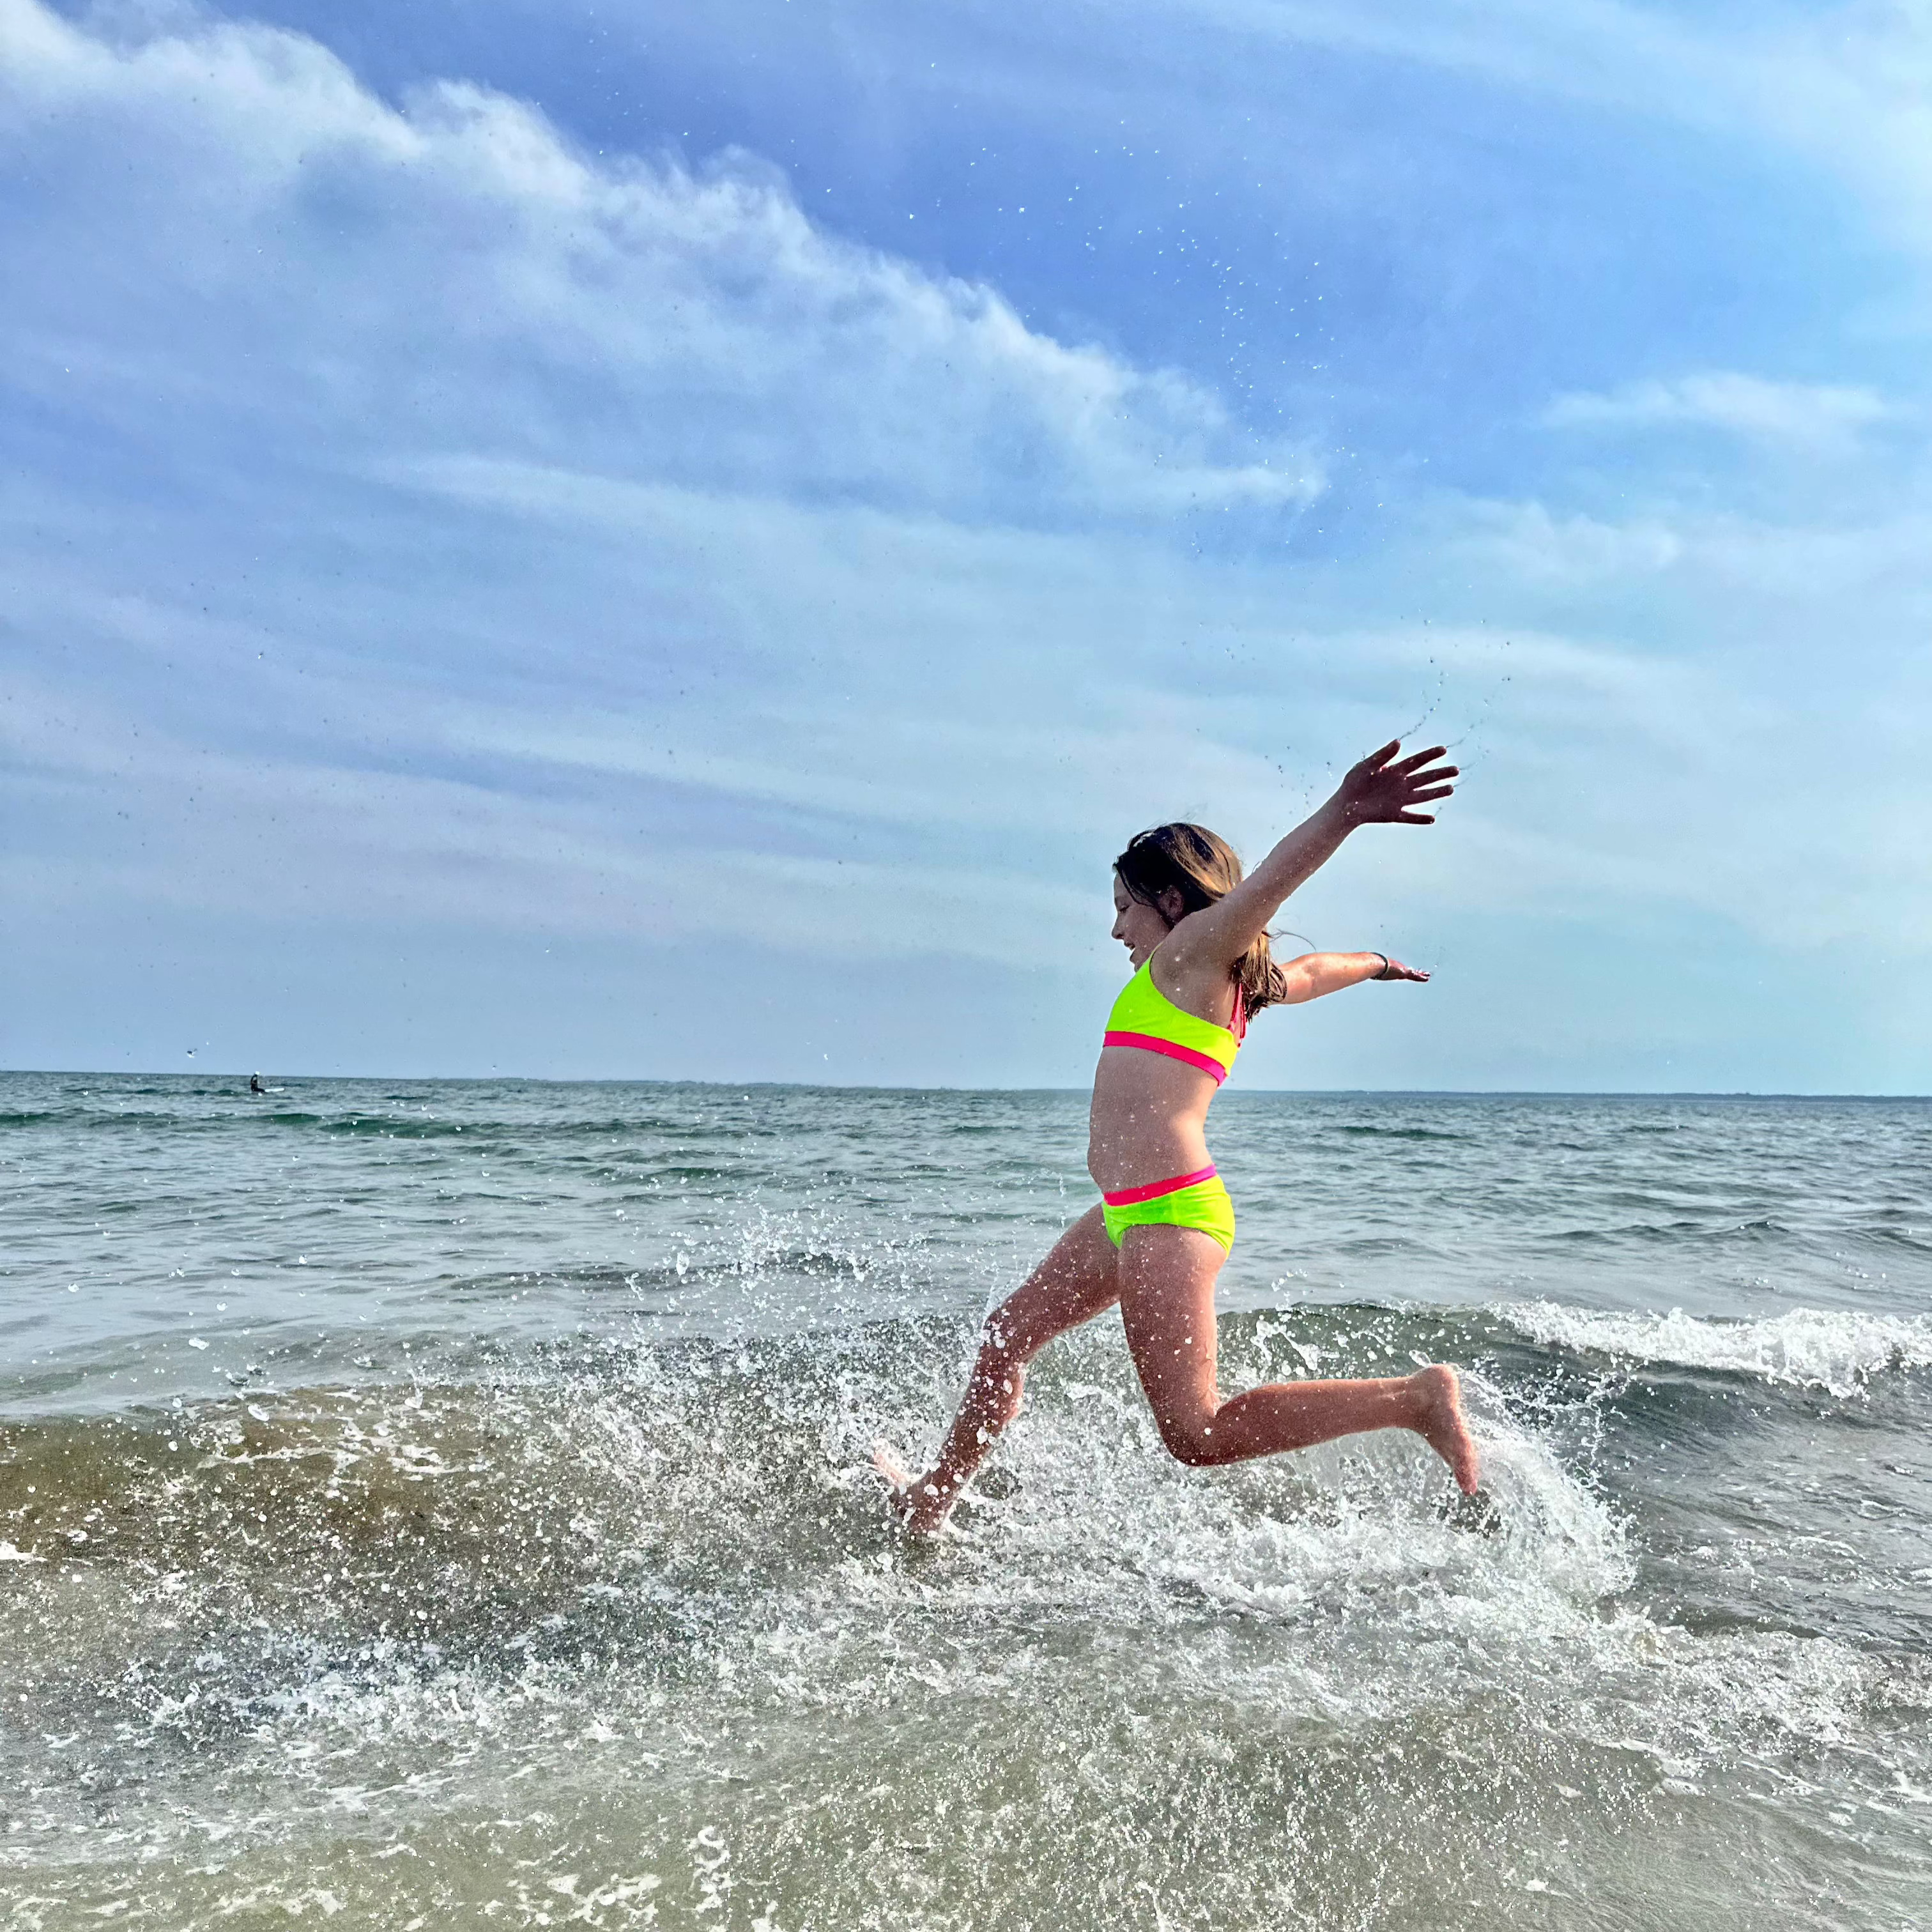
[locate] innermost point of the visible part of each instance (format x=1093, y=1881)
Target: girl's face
x=1139, y=927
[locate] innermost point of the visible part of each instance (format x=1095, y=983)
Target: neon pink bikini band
x=1154, y=1190
x=1150, y=1043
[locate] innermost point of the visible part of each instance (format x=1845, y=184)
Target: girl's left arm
x=1315, y=973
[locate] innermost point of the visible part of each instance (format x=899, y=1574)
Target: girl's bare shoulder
x=1193, y=978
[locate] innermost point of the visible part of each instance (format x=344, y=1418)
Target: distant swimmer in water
x=255, y=1084
x=1196, y=931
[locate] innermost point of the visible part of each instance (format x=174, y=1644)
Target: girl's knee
x=1189, y=1439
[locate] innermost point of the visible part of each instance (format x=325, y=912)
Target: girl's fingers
x=1416, y=759
x=1414, y=818
x=1439, y=791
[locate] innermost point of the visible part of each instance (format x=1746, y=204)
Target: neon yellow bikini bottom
x=1198, y=1200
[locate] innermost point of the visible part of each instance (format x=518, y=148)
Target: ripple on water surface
x=449, y=1503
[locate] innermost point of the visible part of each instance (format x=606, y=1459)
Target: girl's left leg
x=1074, y=1283
x=1167, y=1300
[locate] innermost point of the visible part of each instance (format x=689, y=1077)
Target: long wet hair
x=1201, y=866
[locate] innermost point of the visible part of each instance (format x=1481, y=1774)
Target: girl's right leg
x=1078, y=1280
x=1166, y=1276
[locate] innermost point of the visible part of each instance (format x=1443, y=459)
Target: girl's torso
x=1160, y=1064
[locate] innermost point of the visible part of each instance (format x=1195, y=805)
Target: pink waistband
x=1154, y=1190
x=1149, y=1043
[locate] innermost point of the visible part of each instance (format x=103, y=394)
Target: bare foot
x=1440, y=1423
x=915, y=1500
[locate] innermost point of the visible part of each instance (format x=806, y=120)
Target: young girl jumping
x=1196, y=932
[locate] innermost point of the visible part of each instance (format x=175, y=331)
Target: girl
x=1196, y=932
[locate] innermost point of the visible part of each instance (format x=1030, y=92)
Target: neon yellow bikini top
x=1144, y=1016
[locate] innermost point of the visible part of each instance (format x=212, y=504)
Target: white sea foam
x=1838, y=1350
x=1319, y=1621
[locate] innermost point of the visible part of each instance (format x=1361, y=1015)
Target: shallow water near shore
x=446, y=1503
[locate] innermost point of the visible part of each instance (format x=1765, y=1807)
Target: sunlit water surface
x=431, y=1503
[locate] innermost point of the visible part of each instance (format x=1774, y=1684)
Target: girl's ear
x=1171, y=906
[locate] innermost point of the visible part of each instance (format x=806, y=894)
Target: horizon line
x=877, y=1087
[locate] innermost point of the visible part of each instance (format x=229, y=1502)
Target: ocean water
x=445, y=1503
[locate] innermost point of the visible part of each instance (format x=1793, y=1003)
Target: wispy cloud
x=1817, y=418
x=1847, y=87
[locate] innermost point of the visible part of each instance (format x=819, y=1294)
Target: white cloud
x=454, y=273
x=1863, y=574
x=1532, y=544
x=1815, y=418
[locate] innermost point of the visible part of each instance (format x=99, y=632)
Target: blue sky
x=585, y=542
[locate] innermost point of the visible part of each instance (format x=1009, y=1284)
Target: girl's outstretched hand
x=1380, y=792
x=1395, y=970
